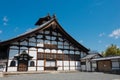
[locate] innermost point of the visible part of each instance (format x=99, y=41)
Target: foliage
x=111, y=50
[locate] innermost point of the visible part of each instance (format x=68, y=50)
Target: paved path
x=63, y=76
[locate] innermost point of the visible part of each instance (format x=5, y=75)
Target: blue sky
x=93, y=23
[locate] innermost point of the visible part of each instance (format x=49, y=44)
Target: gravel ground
x=63, y=76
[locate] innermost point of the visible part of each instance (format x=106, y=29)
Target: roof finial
x=54, y=15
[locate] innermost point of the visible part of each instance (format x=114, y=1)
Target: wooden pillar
x=8, y=50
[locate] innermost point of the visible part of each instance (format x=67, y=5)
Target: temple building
x=46, y=47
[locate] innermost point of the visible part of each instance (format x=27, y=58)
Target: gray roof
x=32, y=30
x=106, y=58
x=89, y=56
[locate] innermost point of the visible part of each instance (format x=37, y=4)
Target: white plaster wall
x=33, y=54
x=40, y=45
x=9, y=61
x=72, y=63
x=59, y=51
x=115, y=65
x=32, y=44
x=40, y=63
x=3, y=69
x=50, y=63
x=93, y=69
x=88, y=65
x=31, y=68
x=72, y=68
x=66, y=63
x=40, y=68
x=23, y=43
x=60, y=68
x=47, y=50
x=32, y=49
x=59, y=63
x=83, y=67
x=40, y=50
x=32, y=39
x=78, y=68
x=39, y=36
x=66, y=68
x=54, y=51
x=78, y=63
x=94, y=66
x=15, y=47
x=10, y=69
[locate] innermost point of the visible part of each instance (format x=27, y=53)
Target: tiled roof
x=106, y=58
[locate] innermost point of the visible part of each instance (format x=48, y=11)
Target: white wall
x=59, y=65
x=60, y=68
x=94, y=66
x=31, y=68
x=83, y=67
x=9, y=62
x=40, y=68
x=66, y=65
x=72, y=63
x=115, y=65
x=78, y=65
x=33, y=54
x=12, y=69
x=40, y=63
x=88, y=67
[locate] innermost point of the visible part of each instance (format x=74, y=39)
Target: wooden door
x=104, y=66
x=23, y=66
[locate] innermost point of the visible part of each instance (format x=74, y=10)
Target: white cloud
x=118, y=47
x=81, y=41
x=102, y=34
x=4, y=23
x=15, y=30
x=106, y=45
x=5, y=20
x=115, y=34
x=99, y=41
x=0, y=31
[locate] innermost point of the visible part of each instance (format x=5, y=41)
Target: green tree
x=112, y=50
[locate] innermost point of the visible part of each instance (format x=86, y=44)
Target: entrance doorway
x=22, y=65
x=23, y=59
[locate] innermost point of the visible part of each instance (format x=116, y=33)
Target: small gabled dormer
x=44, y=19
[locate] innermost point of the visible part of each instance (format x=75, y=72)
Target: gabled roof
x=106, y=58
x=41, y=27
x=90, y=56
